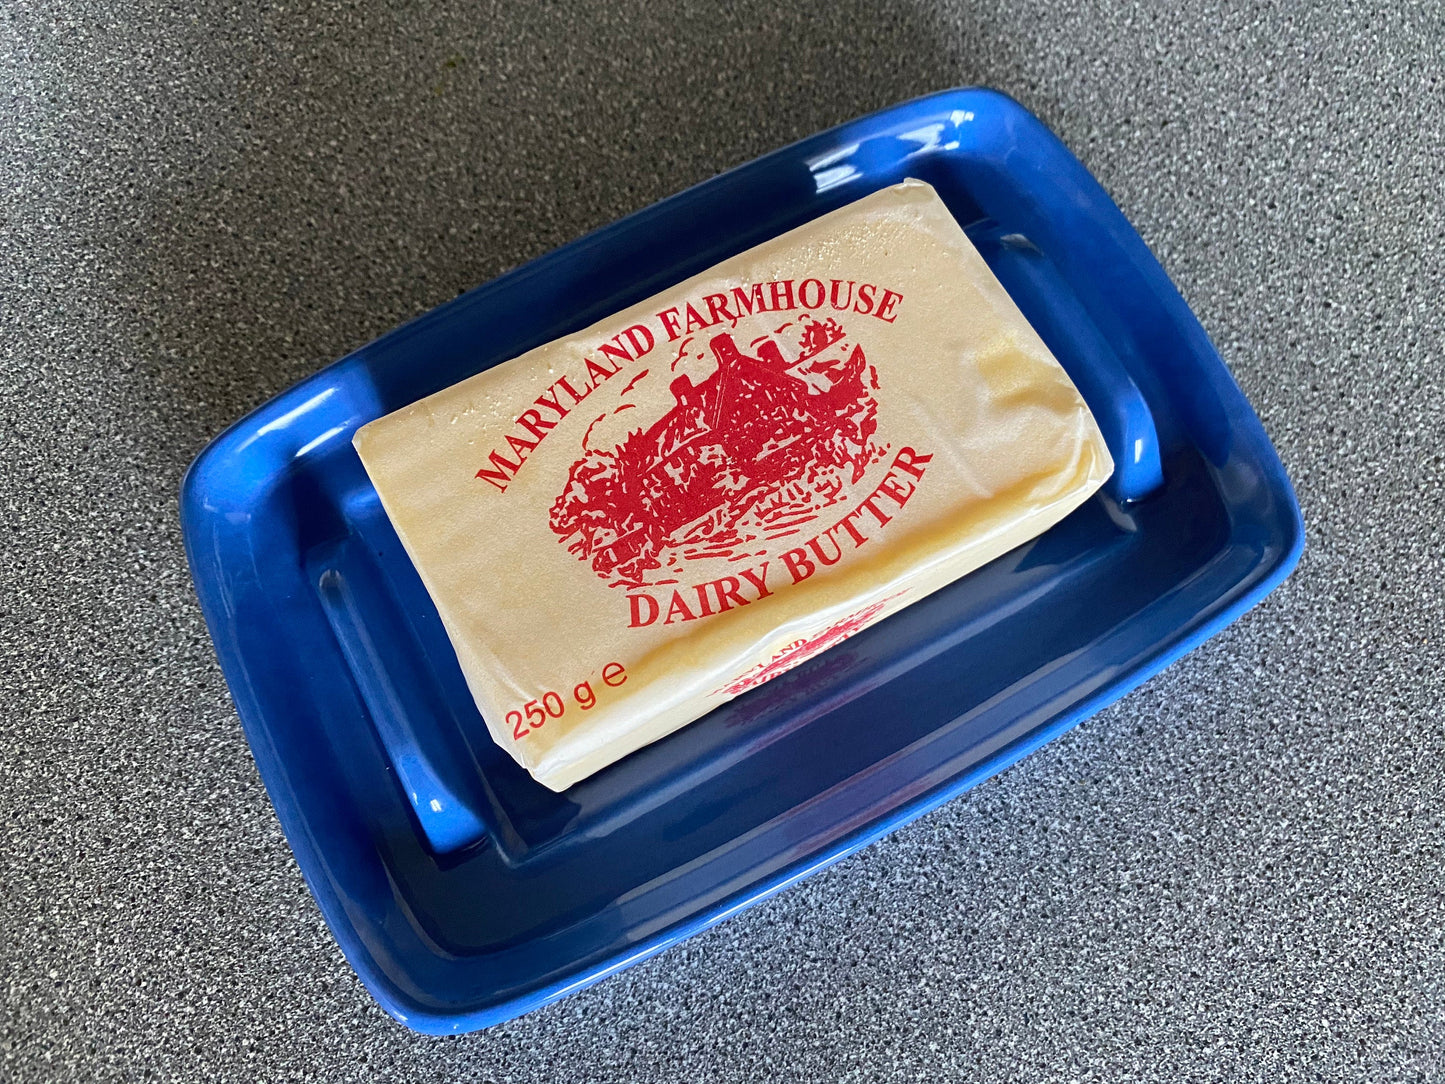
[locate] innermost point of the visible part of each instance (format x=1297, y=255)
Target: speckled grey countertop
x=1234, y=874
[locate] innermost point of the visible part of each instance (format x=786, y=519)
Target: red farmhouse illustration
x=762, y=438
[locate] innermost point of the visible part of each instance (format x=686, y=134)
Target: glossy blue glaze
x=461, y=891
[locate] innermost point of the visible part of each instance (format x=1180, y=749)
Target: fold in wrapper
x=633, y=524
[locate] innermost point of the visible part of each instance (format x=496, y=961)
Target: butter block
x=631, y=525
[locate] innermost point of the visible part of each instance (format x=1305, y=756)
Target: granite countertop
x=1233, y=874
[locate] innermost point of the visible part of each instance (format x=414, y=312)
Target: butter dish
x=463, y=891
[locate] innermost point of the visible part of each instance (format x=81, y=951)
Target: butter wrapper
x=631, y=525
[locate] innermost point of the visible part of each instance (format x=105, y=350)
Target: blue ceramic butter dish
x=463, y=892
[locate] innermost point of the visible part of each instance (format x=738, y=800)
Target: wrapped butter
x=631, y=525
